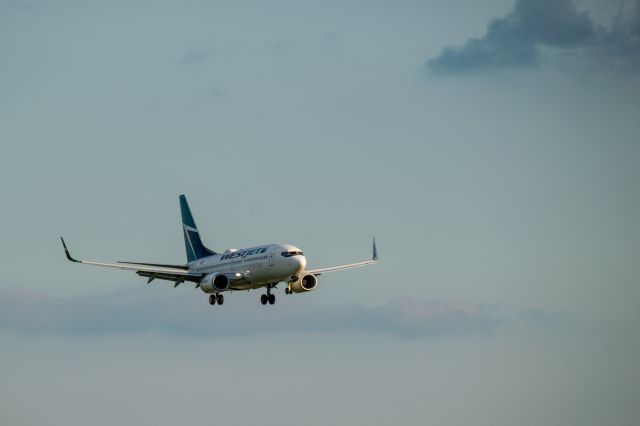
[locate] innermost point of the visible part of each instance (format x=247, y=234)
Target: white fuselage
x=255, y=266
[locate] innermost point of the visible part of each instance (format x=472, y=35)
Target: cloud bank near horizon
x=535, y=30
x=186, y=314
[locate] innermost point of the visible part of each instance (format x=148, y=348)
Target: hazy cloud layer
x=519, y=39
x=190, y=314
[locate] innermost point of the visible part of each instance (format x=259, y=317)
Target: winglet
x=375, y=250
x=66, y=251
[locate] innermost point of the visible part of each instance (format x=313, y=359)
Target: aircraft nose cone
x=300, y=262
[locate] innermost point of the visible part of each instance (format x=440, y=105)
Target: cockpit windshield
x=291, y=253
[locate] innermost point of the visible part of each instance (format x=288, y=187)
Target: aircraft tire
x=263, y=299
x=212, y=299
x=272, y=299
x=220, y=299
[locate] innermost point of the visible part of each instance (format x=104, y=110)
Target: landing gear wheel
x=287, y=291
x=212, y=299
x=220, y=299
x=272, y=299
x=263, y=299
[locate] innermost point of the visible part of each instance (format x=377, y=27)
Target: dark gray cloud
x=190, y=314
x=620, y=47
x=519, y=39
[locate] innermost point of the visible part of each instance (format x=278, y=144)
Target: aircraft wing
x=374, y=259
x=174, y=273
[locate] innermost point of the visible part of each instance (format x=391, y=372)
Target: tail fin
x=192, y=242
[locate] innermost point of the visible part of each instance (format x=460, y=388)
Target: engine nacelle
x=214, y=283
x=305, y=283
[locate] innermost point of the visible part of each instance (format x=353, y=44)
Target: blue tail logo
x=192, y=242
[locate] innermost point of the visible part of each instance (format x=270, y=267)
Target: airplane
x=247, y=269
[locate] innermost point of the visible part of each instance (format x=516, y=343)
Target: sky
x=491, y=148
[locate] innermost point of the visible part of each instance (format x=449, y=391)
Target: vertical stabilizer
x=193, y=244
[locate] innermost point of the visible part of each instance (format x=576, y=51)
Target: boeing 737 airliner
x=246, y=269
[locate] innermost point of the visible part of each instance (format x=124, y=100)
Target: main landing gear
x=269, y=297
x=213, y=298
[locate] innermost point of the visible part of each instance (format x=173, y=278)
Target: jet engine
x=306, y=282
x=214, y=283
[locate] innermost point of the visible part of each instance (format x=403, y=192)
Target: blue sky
x=491, y=147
